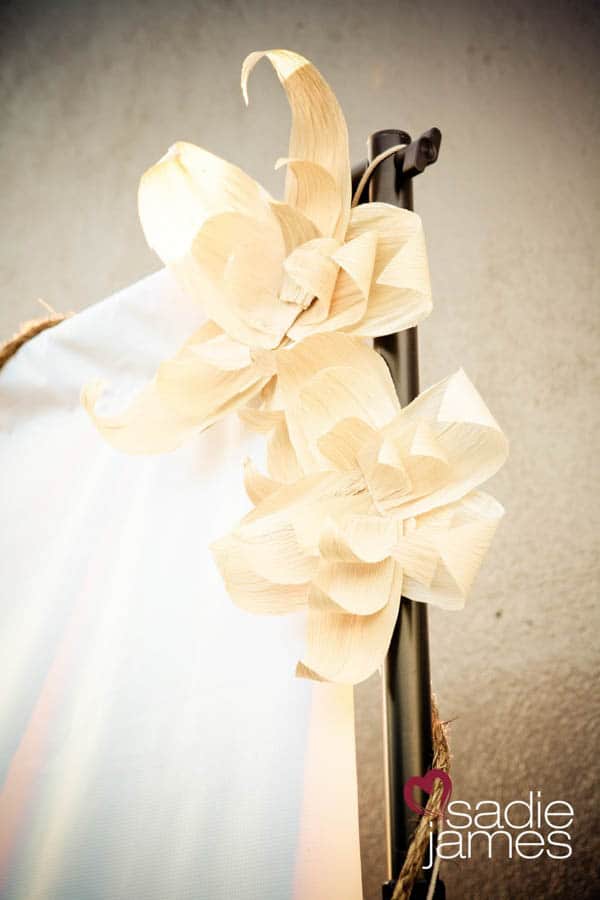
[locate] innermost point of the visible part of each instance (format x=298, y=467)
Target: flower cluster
x=363, y=502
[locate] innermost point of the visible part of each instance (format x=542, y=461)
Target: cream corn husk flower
x=265, y=272
x=364, y=502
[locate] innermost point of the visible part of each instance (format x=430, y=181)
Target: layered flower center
x=309, y=276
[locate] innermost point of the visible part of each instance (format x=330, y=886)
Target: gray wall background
x=91, y=93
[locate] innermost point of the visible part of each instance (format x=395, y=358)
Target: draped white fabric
x=154, y=743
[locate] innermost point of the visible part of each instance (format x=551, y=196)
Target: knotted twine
x=431, y=819
x=27, y=331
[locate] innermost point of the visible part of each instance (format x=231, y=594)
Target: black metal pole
x=406, y=675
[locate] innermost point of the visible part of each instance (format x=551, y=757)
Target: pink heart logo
x=425, y=783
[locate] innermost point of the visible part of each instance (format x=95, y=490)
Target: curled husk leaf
x=382, y=502
x=322, y=266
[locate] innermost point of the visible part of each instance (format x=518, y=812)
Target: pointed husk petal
x=318, y=135
x=348, y=648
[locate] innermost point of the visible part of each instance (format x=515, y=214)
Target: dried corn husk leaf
x=310, y=276
x=184, y=189
x=188, y=394
x=276, y=552
x=344, y=443
x=257, y=485
x=369, y=539
x=355, y=587
x=465, y=445
x=400, y=294
x=326, y=378
x=314, y=192
x=350, y=289
x=460, y=547
x=236, y=293
x=348, y=648
x=357, y=257
x=148, y=426
x=296, y=229
x=282, y=461
x=318, y=136
x=248, y=589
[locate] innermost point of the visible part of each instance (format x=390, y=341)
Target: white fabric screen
x=153, y=741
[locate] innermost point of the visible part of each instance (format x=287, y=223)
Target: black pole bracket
x=412, y=160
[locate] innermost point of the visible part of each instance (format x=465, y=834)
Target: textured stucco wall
x=93, y=92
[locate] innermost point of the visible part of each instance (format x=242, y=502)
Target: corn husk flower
x=266, y=273
x=364, y=502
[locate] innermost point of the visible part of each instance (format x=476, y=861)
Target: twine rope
x=26, y=332
x=366, y=175
x=416, y=852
